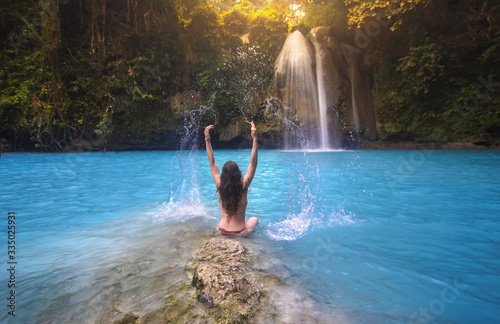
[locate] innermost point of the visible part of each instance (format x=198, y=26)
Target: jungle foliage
x=433, y=71
x=92, y=74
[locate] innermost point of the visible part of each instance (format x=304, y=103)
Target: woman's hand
x=247, y=179
x=211, y=159
x=207, y=132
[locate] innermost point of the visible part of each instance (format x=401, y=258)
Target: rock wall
x=348, y=85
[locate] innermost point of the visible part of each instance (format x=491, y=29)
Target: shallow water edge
x=242, y=143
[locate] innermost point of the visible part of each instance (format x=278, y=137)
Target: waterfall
x=354, y=80
x=297, y=87
x=325, y=99
x=320, y=76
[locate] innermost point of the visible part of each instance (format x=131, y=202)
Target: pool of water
x=378, y=236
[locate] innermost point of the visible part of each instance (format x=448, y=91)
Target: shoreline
x=427, y=145
x=366, y=145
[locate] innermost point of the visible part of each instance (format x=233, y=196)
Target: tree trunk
x=51, y=60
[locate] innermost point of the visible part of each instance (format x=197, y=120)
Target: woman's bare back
x=234, y=224
x=236, y=221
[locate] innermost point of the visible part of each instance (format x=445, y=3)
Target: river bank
x=172, y=143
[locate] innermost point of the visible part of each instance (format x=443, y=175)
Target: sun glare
x=297, y=10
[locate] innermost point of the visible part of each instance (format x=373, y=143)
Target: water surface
x=378, y=236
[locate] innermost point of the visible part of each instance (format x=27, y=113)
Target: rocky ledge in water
x=230, y=284
x=224, y=281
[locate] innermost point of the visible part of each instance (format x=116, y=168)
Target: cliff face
x=348, y=91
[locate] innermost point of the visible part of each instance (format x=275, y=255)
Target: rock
x=128, y=318
x=224, y=282
x=232, y=285
x=233, y=130
x=184, y=101
x=219, y=250
x=177, y=310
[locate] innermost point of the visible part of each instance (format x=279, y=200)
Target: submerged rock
x=230, y=284
x=129, y=318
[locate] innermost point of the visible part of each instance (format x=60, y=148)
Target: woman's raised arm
x=211, y=159
x=247, y=179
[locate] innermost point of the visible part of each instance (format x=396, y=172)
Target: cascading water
x=301, y=87
x=296, y=86
x=355, y=115
x=322, y=103
x=325, y=95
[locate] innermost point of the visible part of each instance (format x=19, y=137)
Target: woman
x=233, y=190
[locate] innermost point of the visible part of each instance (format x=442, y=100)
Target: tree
x=360, y=11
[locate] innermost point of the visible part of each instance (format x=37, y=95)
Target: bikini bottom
x=225, y=232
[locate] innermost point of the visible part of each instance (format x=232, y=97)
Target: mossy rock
x=227, y=287
x=178, y=310
x=220, y=250
x=128, y=318
x=225, y=282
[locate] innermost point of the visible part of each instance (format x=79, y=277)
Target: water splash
x=180, y=209
x=341, y=218
x=301, y=200
x=301, y=213
x=185, y=201
x=179, y=212
x=308, y=209
x=192, y=128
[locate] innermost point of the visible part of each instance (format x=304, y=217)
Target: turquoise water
x=377, y=236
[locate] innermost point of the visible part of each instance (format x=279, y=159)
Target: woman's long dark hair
x=230, y=188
